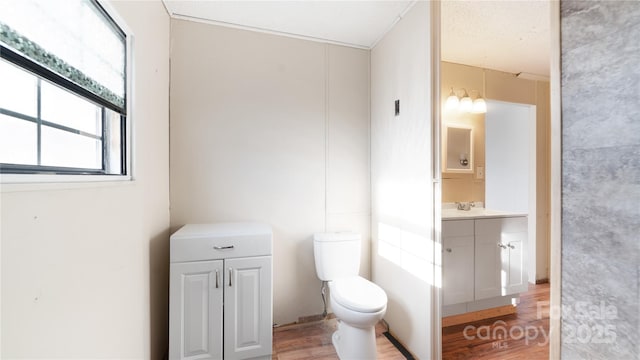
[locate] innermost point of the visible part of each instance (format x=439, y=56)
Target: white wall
x=401, y=164
x=84, y=271
x=271, y=129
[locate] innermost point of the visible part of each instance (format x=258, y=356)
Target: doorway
x=549, y=226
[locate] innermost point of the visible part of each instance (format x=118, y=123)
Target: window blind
x=74, y=39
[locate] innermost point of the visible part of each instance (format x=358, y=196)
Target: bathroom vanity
x=483, y=259
x=220, y=292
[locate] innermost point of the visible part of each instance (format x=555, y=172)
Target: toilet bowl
x=357, y=303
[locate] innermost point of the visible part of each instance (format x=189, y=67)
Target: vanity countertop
x=452, y=213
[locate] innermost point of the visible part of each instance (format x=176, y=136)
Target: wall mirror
x=457, y=149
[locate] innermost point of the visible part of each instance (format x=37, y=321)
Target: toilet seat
x=358, y=294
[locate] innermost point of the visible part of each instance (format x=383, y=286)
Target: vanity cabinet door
x=514, y=235
x=488, y=256
x=457, y=261
x=247, y=308
x=195, y=310
x=499, y=257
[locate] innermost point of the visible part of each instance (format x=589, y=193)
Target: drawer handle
x=448, y=249
x=217, y=276
x=223, y=247
x=230, y=275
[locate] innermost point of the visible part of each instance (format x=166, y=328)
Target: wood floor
x=313, y=341
x=523, y=335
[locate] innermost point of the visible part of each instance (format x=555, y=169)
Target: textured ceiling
x=511, y=36
x=506, y=35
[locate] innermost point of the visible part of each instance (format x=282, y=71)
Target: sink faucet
x=466, y=206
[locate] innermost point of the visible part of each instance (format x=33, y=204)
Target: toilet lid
x=358, y=294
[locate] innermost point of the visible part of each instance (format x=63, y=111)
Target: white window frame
x=14, y=182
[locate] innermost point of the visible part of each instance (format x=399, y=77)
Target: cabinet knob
x=448, y=250
x=511, y=246
x=230, y=275
x=217, y=276
x=502, y=246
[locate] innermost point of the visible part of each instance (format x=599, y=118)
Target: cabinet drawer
x=212, y=248
x=195, y=242
x=457, y=228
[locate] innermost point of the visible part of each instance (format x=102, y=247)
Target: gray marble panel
x=600, y=179
x=601, y=91
x=596, y=19
x=601, y=252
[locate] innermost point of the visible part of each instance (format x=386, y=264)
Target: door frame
x=555, y=188
x=436, y=161
x=555, y=215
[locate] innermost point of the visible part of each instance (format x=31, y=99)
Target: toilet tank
x=337, y=255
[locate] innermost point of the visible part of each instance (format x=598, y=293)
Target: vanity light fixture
x=465, y=103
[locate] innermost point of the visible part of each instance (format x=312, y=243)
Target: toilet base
x=352, y=343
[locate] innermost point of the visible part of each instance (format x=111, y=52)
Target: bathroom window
x=63, y=89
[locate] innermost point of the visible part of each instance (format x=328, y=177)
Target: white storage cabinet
x=220, y=292
x=483, y=259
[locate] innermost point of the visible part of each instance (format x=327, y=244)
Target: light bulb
x=466, y=104
x=479, y=106
x=452, y=101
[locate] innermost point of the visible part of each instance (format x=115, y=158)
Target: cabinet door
x=515, y=265
x=195, y=310
x=488, y=259
x=500, y=259
x=248, y=309
x=457, y=261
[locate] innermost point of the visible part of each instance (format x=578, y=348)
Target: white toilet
x=357, y=303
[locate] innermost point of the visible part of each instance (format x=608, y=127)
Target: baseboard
x=542, y=281
x=311, y=318
x=403, y=350
x=478, y=315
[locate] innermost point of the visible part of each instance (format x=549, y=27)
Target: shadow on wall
x=402, y=324
x=306, y=261
x=159, y=295
x=409, y=251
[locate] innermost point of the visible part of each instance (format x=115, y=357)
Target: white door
x=509, y=156
x=195, y=310
x=457, y=261
x=248, y=309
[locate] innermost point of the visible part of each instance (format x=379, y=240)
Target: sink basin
x=476, y=212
